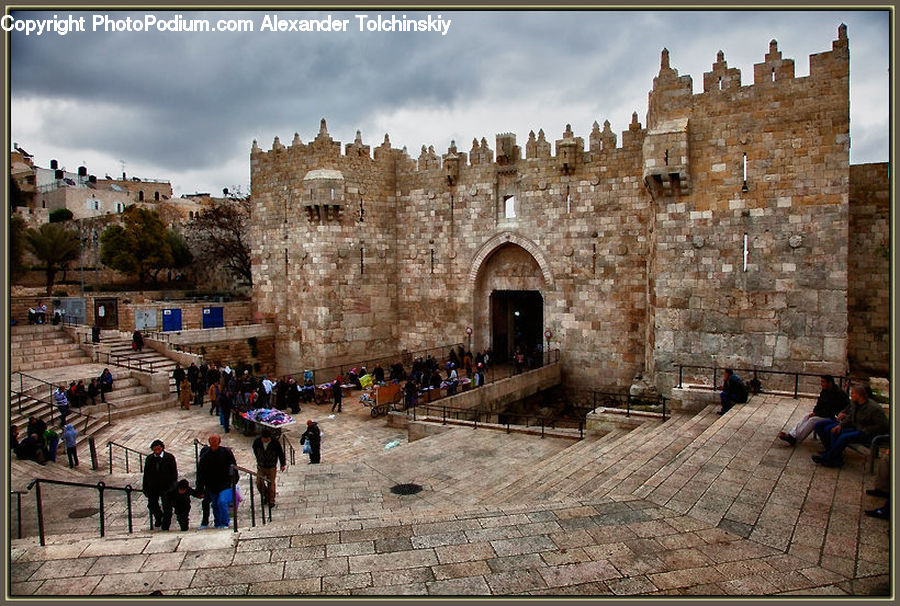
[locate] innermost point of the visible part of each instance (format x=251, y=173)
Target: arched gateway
x=508, y=279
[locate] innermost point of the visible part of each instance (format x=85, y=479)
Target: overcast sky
x=186, y=106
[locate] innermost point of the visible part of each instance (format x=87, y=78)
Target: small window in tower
x=509, y=207
x=140, y=195
x=156, y=195
x=332, y=193
x=773, y=74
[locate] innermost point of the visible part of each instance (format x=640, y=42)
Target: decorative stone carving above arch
x=502, y=239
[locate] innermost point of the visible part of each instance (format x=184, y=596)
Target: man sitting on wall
x=861, y=421
x=832, y=400
x=734, y=391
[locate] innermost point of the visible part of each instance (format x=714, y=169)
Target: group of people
x=838, y=422
x=217, y=478
x=41, y=442
x=38, y=314
x=167, y=494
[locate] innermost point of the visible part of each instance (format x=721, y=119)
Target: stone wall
x=716, y=235
x=869, y=294
x=750, y=249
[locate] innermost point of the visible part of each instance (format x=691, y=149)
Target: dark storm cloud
x=181, y=102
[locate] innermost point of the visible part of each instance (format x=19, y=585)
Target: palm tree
x=55, y=246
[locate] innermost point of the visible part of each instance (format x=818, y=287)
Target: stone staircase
x=43, y=346
x=147, y=359
x=667, y=487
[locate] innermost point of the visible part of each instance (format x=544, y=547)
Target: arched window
x=141, y=195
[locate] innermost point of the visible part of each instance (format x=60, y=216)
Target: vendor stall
x=253, y=420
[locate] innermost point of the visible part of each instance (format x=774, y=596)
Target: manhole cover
x=406, y=489
x=83, y=513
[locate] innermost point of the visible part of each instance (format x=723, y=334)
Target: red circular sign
x=548, y=334
x=468, y=330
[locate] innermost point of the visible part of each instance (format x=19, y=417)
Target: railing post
x=40, y=511
x=715, y=377
x=234, y=499
x=542, y=428
x=680, y=375
x=796, y=385
x=100, y=487
x=19, y=512
x=128, y=490
x=92, y=447
x=109, y=444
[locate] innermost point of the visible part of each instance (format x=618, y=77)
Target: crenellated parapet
x=774, y=68
x=721, y=77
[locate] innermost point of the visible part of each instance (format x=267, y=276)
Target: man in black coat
x=269, y=454
x=832, y=400
x=314, y=437
x=160, y=476
x=216, y=470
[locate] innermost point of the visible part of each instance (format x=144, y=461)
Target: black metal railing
x=141, y=456
x=251, y=489
x=101, y=489
x=762, y=380
x=125, y=361
x=630, y=402
x=328, y=373
x=288, y=448
x=497, y=373
x=18, y=511
x=489, y=418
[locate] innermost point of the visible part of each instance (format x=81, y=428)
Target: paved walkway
x=700, y=505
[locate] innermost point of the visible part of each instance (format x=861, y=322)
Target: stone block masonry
x=717, y=234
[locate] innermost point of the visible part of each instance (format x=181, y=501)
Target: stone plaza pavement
x=698, y=505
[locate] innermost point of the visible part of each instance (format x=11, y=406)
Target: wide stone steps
x=31, y=347
x=576, y=454
x=646, y=457
x=50, y=361
x=568, y=474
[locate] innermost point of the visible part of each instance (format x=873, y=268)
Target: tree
x=16, y=245
x=60, y=215
x=219, y=235
x=181, y=254
x=55, y=246
x=139, y=247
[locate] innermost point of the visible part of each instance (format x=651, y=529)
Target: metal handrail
x=52, y=408
x=100, y=487
x=288, y=448
x=130, y=363
x=841, y=380
x=385, y=361
x=18, y=494
x=251, y=489
x=476, y=414
x=141, y=456
x=500, y=372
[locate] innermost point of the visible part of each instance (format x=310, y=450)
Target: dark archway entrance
x=517, y=321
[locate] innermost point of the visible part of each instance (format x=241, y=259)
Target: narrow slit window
x=509, y=203
x=746, y=252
